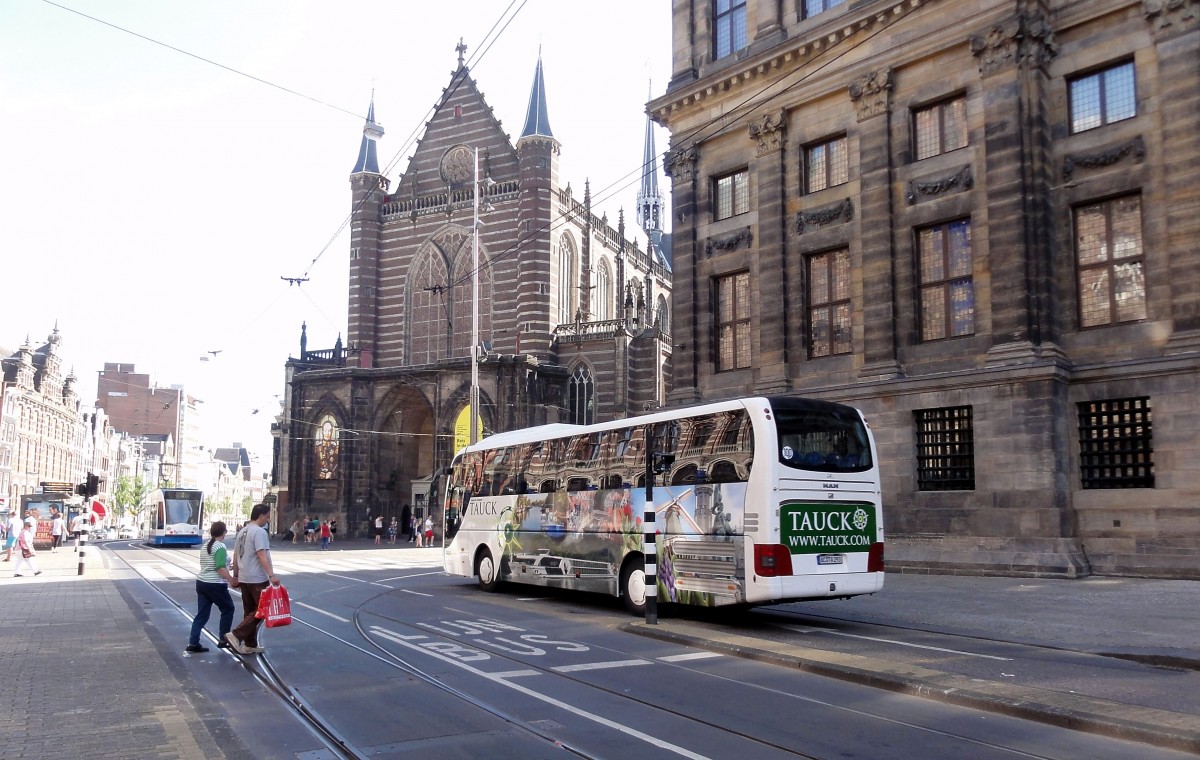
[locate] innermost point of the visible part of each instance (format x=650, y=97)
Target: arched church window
x=326, y=448
x=662, y=316
x=566, y=280
x=603, y=305
x=581, y=397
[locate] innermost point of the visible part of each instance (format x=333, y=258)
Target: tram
x=174, y=517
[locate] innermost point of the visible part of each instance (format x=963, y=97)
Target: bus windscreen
x=822, y=437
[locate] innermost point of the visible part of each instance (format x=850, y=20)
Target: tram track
x=260, y=668
x=372, y=644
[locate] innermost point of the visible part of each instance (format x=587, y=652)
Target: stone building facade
x=42, y=431
x=572, y=316
x=979, y=222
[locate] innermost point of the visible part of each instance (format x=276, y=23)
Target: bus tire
x=487, y=570
x=633, y=585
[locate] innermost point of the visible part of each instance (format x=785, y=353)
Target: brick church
x=569, y=322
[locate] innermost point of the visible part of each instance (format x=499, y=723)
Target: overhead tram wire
x=477, y=56
x=695, y=136
x=201, y=58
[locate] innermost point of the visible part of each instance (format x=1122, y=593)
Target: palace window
x=945, y=449
x=947, y=287
x=581, y=397
x=826, y=165
x=1116, y=444
x=813, y=7
x=729, y=27
x=940, y=128
x=1108, y=248
x=1103, y=97
x=829, y=303
x=733, y=321
x=731, y=194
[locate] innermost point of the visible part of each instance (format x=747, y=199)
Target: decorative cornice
x=729, y=242
x=871, y=93
x=842, y=211
x=1171, y=17
x=769, y=130
x=1024, y=41
x=1135, y=147
x=962, y=179
x=681, y=163
x=851, y=29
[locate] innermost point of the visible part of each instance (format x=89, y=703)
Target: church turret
x=537, y=154
x=369, y=190
x=650, y=202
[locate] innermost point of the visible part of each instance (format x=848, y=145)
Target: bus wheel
x=633, y=586
x=486, y=568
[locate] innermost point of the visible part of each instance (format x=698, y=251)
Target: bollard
x=81, y=544
x=82, y=554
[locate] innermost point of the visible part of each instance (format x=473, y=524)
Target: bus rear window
x=821, y=437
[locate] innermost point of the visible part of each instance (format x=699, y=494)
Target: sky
x=157, y=180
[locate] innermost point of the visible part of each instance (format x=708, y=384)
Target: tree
x=129, y=496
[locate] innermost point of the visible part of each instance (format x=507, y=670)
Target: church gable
x=442, y=160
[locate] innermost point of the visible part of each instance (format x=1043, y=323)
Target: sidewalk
x=89, y=672
x=86, y=674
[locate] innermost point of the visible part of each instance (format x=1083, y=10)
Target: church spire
x=537, y=120
x=650, y=201
x=367, y=160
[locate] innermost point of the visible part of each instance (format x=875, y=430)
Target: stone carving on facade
x=961, y=179
x=871, y=93
x=769, y=130
x=681, y=163
x=1171, y=15
x=1135, y=148
x=729, y=242
x=1027, y=41
x=457, y=165
x=840, y=212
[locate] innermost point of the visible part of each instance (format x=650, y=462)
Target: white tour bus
x=756, y=501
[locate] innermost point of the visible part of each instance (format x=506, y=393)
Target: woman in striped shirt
x=211, y=589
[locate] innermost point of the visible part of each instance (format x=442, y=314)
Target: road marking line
x=599, y=665
x=323, y=612
x=418, y=593
x=546, y=698
x=689, y=656
x=897, y=643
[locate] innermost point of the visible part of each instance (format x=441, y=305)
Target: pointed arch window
x=581, y=397
x=566, y=280
x=603, y=306
x=326, y=448
x=662, y=316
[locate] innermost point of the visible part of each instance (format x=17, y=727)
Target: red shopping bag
x=274, y=607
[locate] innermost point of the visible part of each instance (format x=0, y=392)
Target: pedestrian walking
x=25, y=545
x=378, y=529
x=412, y=529
x=212, y=587
x=324, y=535
x=296, y=530
x=310, y=530
x=12, y=531
x=332, y=529
x=393, y=526
x=429, y=531
x=254, y=570
x=58, y=529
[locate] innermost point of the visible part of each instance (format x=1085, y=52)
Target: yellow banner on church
x=462, y=428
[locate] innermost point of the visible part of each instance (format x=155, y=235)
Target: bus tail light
x=772, y=560
x=875, y=558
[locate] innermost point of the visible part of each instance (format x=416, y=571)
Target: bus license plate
x=830, y=559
